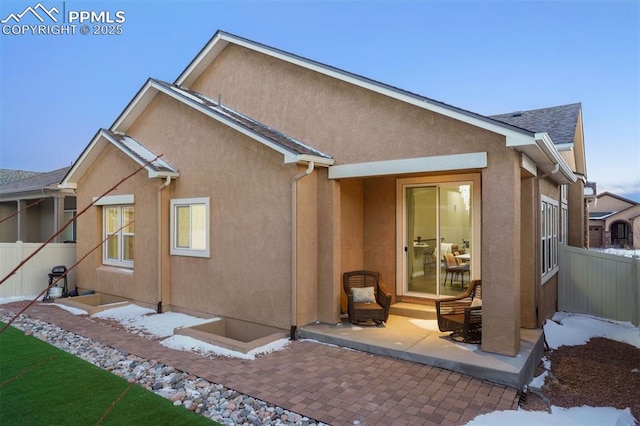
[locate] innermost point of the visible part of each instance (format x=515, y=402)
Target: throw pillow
x=363, y=295
x=476, y=302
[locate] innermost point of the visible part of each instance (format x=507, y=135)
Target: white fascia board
x=68, y=185
x=543, y=140
x=138, y=104
x=318, y=161
x=565, y=147
x=224, y=39
x=528, y=164
x=161, y=175
x=81, y=165
x=209, y=52
x=475, y=160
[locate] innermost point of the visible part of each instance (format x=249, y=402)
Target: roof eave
x=565, y=175
x=305, y=159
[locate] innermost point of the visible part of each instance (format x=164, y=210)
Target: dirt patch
x=601, y=373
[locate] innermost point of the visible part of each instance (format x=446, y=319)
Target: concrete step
x=413, y=310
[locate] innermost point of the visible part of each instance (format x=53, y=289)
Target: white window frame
x=181, y=251
x=70, y=231
x=549, y=224
x=564, y=214
x=121, y=262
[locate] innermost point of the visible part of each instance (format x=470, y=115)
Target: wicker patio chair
x=366, y=297
x=462, y=315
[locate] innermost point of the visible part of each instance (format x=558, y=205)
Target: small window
x=119, y=235
x=549, y=217
x=69, y=233
x=190, y=227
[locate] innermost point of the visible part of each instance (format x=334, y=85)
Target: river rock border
x=211, y=400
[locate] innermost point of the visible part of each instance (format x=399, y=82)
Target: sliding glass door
x=437, y=238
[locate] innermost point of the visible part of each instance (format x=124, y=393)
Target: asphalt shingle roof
x=36, y=182
x=138, y=151
x=559, y=122
x=9, y=175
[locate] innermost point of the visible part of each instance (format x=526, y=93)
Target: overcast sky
x=489, y=57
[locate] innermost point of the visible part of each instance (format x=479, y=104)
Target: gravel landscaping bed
x=211, y=400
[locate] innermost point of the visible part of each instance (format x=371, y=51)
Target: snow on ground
x=146, y=321
x=619, y=252
x=571, y=330
x=564, y=329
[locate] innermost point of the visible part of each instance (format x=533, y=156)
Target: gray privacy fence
x=599, y=284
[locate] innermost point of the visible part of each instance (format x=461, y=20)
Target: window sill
x=190, y=253
x=115, y=269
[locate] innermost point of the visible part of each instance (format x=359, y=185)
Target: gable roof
x=155, y=166
x=274, y=138
x=609, y=194
x=292, y=149
x=537, y=145
x=37, y=183
x=559, y=121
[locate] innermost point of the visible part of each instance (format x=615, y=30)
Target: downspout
x=294, y=249
x=166, y=183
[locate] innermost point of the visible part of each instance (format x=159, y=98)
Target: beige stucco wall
x=139, y=283
x=577, y=234
x=306, y=284
x=529, y=232
x=248, y=275
x=345, y=225
x=356, y=125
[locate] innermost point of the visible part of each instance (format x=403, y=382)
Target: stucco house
x=614, y=221
x=35, y=207
x=278, y=174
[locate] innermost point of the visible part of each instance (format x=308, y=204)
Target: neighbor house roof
x=600, y=215
x=609, y=194
x=39, y=183
x=559, y=121
x=10, y=175
x=536, y=144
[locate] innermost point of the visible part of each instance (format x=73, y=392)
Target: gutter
x=543, y=141
x=166, y=183
x=294, y=249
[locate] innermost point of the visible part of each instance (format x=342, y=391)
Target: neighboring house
x=37, y=206
x=279, y=173
x=614, y=221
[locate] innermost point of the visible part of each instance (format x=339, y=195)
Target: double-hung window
x=548, y=237
x=190, y=227
x=119, y=231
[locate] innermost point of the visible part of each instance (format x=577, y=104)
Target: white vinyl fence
x=33, y=277
x=600, y=284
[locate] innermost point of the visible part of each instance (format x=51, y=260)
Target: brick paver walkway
x=327, y=383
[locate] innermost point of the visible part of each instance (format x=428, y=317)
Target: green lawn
x=43, y=385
